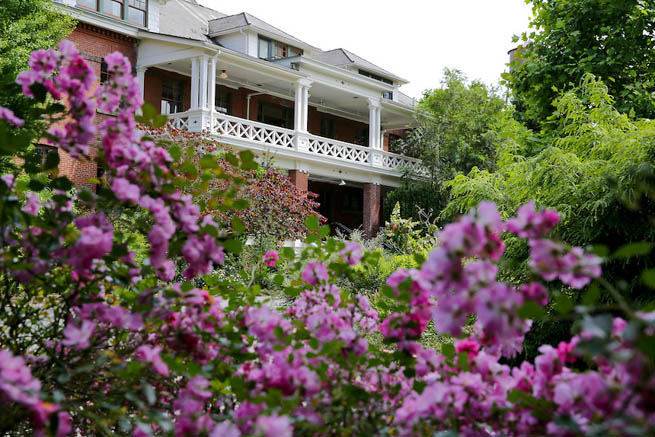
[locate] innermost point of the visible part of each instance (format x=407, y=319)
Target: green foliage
x=25, y=26
x=416, y=200
x=613, y=40
x=457, y=127
x=597, y=173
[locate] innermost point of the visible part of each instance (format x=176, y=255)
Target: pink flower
x=64, y=428
x=32, y=205
x=270, y=258
x=532, y=224
x=8, y=115
x=352, y=253
x=78, y=337
x=314, y=273
x=225, y=429
x=469, y=345
x=535, y=292
x=124, y=191
x=148, y=354
x=273, y=426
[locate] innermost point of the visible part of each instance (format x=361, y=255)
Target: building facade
x=330, y=118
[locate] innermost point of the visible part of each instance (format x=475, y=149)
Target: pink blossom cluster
x=9, y=116
x=313, y=353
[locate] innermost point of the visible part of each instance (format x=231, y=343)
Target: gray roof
x=186, y=19
x=228, y=23
x=344, y=58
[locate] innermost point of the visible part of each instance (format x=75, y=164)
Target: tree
x=614, y=40
x=25, y=26
x=458, y=130
x=458, y=124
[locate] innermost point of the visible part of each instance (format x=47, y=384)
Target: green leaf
x=208, y=161
x=233, y=246
x=648, y=278
x=278, y=280
x=448, y=350
x=463, y=361
x=61, y=183
x=149, y=112
x=175, y=152
x=531, y=310
x=592, y=295
x=240, y=204
x=36, y=185
x=563, y=304
x=312, y=223
x=324, y=231
x=633, y=249
x=232, y=159
x=159, y=121
x=237, y=225
x=51, y=161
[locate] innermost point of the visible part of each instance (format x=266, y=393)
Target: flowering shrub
x=94, y=342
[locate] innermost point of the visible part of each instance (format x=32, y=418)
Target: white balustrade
x=227, y=126
x=234, y=127
x=339, y=150
x=179, y=120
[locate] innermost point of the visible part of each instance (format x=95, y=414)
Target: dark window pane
x=172, y=96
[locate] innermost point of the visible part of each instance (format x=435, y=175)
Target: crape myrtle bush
x=94, y=343
x=269, y=193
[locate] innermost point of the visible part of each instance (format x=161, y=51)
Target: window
x=387, y=95
x=136, y=12
x=269, y=49
x=223, y=100
x=100, y=173
x=327, y=128
x=104, y=73
x=172, y=96
x=91, y=4
x=113, y=8
x=44, y=150
x=276, y=115
x=375, y=77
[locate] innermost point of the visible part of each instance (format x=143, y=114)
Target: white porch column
x=301, y=104
x=374, y=124
x=195, y=81
x=297, y=107
x=202, y=86
x=141, y=77
x=212, y=84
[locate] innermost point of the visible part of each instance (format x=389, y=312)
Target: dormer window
x=133, y=11
x=375, y=77
x=270, y=49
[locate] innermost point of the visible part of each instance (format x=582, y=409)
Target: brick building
x=329, y=118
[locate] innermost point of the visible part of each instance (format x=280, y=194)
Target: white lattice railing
x=228, y=126
x=338, y=149
x=179, y=120
x=395, y=161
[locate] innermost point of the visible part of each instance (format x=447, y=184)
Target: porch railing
x=248, y=131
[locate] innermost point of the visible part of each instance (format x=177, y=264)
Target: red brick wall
x=300, y=179
x=94, y=44
x=372, y=202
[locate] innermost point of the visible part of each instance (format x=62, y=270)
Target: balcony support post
x=374, y=141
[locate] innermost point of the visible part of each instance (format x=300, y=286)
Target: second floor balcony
x=340, y=128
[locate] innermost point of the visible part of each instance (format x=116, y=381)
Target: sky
x=413, y=39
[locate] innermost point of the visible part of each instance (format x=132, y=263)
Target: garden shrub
x=95, y=343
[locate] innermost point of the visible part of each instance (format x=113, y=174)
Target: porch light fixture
x=342, y=182
x=223, y=74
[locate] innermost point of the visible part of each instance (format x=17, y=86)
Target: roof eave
x=346, y=74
